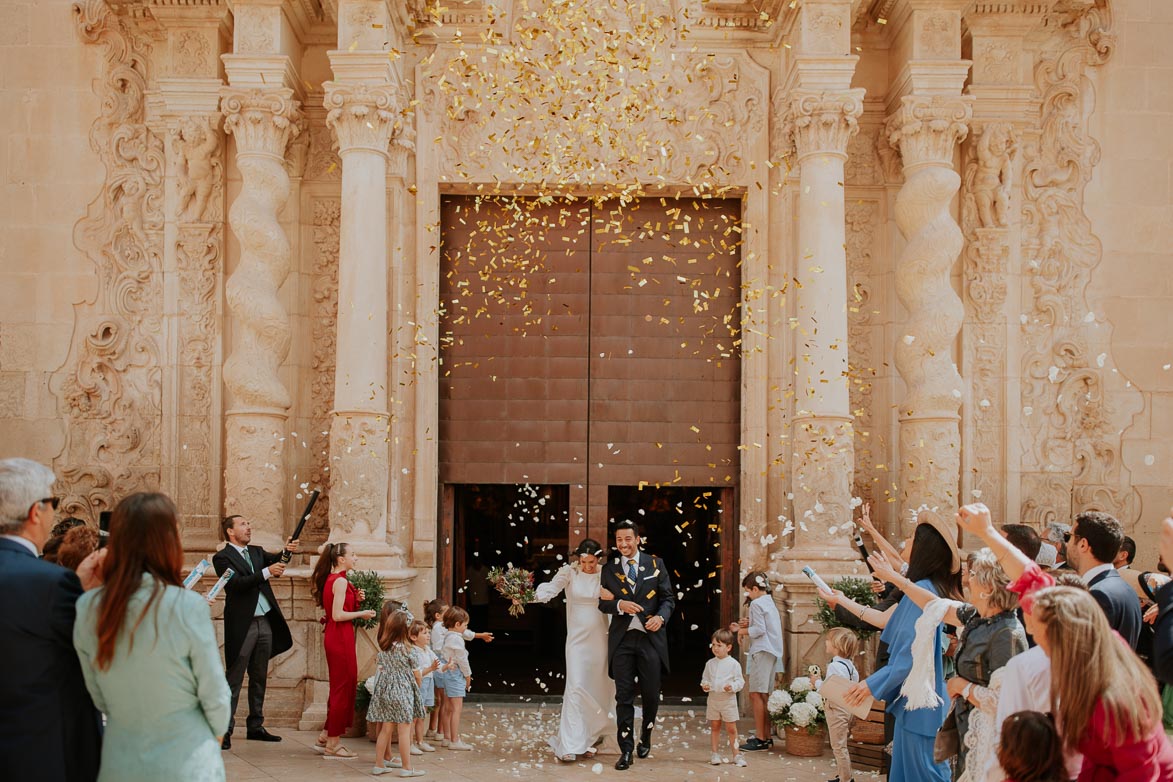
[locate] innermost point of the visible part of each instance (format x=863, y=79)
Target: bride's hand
x=605, y=594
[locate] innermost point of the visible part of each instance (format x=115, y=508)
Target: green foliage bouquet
x=514, y=584
x=368, y=581
x=859, y=590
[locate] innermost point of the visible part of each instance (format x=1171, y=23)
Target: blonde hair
x=1091, y=666
x=985, y=570
x=843, y=642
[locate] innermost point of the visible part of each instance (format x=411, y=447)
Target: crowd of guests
x=1044, y=682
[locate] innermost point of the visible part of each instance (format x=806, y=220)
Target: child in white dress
x=722, y=680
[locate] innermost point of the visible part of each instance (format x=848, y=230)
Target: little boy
x=457, y=681
x=722, y=680
x=843, y=645
x=763, y=626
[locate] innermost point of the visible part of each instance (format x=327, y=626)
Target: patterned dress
x=396, y=697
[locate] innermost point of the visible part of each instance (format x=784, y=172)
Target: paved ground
x=510, y=744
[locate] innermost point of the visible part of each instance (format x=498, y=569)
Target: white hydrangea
x=803, y=714
x=778, y=701
x=801, y=684
x=814, y=699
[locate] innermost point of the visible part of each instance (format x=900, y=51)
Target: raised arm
x=548, y=590
x=881, y=543
x=975, y=519
x=918, y=594
x=871, y=616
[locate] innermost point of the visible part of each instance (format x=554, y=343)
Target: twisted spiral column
x=263, y=121
x=926, y=129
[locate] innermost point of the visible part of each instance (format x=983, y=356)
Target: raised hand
x=832, y=598
x=882, y=567
x=865, y=519
x=975, y=519
x=291, y=545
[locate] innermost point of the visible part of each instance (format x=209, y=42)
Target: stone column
x=262, y=120
x=821, y=122
x=364, y=117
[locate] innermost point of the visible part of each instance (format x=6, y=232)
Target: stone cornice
x=925, y=129
x=263, y=121
x=822, y=122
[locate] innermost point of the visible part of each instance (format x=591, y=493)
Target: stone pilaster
x=263, y=121
x=926, y=130
x=821, y=123
x=364, y=118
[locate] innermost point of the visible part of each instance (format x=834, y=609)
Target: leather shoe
x=624, y=762
x=226, y=742
x=644, y=747
x=260, y=734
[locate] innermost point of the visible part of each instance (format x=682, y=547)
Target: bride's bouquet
x=515, y=585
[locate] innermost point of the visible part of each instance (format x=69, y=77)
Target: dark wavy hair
x=589, y=546
x=932, y=558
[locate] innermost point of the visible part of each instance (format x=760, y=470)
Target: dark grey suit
x=1120, y=604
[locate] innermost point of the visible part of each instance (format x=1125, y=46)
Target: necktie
x=262, y=602
x=631, y=571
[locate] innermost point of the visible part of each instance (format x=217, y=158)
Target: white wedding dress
x=588, y=702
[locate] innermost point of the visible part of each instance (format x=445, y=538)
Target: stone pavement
x=510, y=744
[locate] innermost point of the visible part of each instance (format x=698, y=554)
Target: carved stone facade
x=272, y=257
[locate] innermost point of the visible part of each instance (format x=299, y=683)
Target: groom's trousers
x=635, y=656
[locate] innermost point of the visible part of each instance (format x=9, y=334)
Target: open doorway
x=687, y=528
x=511, y=525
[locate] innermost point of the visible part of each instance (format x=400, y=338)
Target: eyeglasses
x=54, y=501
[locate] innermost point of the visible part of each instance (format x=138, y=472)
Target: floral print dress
x=396, y=697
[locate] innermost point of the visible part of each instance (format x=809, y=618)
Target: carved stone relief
x=327, y=217
x=109, y=390
x=938, y=37
x=1073, y=460
x=324, y=164
x=862, y=218
x=201, y=170
x=191, y=54
x=994, y=63
x=863, y=165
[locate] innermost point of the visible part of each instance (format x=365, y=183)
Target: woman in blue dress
x=934, y=563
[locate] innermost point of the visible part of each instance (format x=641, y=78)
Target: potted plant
x=797, y=713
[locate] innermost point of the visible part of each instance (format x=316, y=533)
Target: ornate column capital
x=926, y=128
x=365, y=116
x=262, y=120
x=820, y=122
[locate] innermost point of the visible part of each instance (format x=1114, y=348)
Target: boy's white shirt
x=720, y=672
x=428, y=656
x=454, y=651
x=439, y=631
x=765, y=626
x=840, y=666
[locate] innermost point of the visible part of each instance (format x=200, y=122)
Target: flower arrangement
x=859, y=590
x=515, y=585
x=368, y=581
x=799, y=705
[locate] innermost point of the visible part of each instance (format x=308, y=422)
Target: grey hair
x=989, y=575
x=22, y=483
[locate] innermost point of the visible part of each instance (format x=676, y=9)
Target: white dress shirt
x=625, y=563
x=1097, y=570
x=24, y=542
x=263, y=606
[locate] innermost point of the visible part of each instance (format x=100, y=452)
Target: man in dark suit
x=640, y=603
x=254, y=628
x=1092, y=546
x=49, y=728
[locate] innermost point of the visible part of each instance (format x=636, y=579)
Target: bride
x=588, y=703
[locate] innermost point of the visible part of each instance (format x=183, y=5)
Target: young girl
x=457, y=681
x=426, y=663
x=396, y=701
x=842, y=644
x=1031, y=750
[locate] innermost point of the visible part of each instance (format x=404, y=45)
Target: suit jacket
x=1163, y=641
x=1120, y=603
x=653, y=592
x=49, y=728
x=240, y=600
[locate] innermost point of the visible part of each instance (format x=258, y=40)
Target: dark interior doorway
x=511, y=525
x=685, y=526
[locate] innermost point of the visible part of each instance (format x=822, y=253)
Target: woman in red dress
x=340, y=600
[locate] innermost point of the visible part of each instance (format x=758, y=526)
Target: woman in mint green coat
x=149, y=655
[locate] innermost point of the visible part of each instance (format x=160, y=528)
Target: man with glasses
x=1092, y=546
x=48, y=723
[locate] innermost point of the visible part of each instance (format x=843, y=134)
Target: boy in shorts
x=722, y=680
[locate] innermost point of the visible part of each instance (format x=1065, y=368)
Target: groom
x=641, y=603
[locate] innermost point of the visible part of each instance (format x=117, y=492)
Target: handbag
x=948, y=741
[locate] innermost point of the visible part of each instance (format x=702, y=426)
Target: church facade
x=746, y=265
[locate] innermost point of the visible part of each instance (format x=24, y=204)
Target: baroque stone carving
x=327, y=217
x=201, y=170
x=990, y=177
x=1074, y=461
x=996, y=61
x=863, y=165
x=191, y=54
x=323, y=164
x=925, y=130
x=358, y=461
x=938, y=37
x=364, y=116
x=109, y=389
x=861, y=219
x=821, y=122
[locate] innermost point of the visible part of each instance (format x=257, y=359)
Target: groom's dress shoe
x=624, y=762
x=644, y=747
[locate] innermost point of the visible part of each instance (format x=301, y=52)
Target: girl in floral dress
x=396, y=701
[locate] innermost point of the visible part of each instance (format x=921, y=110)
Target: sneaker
x=426, y=747
x=445, y=743
x=739, y=760
x=377, y=770
x=431, y=734
x=754, y=745
x=411, y=772
x=415, y=750
x=715, y=759
x=460, y=746
x=393, y=763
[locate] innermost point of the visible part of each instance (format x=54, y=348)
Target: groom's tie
x=631, y=572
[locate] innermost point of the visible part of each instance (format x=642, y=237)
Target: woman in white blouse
x=588, y=703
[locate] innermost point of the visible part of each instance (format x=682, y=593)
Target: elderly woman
x=991, y=635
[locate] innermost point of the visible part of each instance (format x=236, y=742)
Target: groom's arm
x=667, y=594
x=607, y=579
